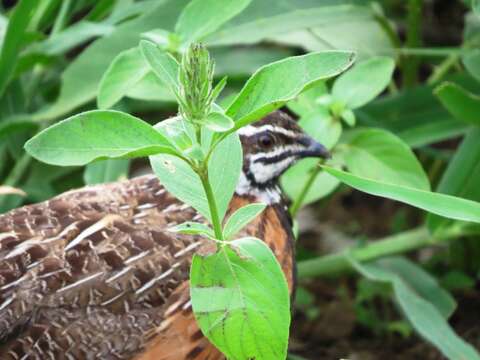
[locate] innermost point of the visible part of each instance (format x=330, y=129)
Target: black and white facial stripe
x=271, y=146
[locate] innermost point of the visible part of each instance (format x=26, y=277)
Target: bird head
x=270, y=147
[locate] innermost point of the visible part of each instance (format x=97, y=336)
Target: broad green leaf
x=94, y=135
x=202, y=17
x=224, y=169
x=309, y=101
x=379, y=155
x=420, y=311
x=297, y=176
x=462, y=104
x=162, y=63
x=193, y=228
x=264, y=19
x=241, y=218
x=275, y=84
x=14, y=39
x=125, y=71
x=352, y=28
x=81, y=78
x=174, y=129
x=181, y=181
x=440, y=204
x=363, y=82
x=105, y=171
x=241, y=301
x=150, y=88
x=322, y=127
x=217, y=121
x=461, y=176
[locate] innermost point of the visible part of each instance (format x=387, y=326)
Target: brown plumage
x=94, y=273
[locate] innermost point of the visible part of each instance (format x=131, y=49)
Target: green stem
x=410, y=68
x=61, y=19
x=334, y=264
x=16, y=174
x=297, y=204
x=212, y=204
x=441, y=70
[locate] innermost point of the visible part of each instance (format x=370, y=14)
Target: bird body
x=95, y=274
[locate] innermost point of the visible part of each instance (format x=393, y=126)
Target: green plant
x=380, y=127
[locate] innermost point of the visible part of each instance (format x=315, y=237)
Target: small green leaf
x=275, y=84
x=240, y=218
x=105, y=171
x=379, y=155
x=162, y=63
x=364, y=82
x=321, y=125
x=218, y=89
x=219, y=122
x=348, y=116
x=193, y=228
x=202, y=17
x=471, y=60
x=174, y=129
x=463, y=105
x=240, y=299
x=224, y=169
x=126, y=70
x=417, y=306
x=308, y=101
x=440, y=204
x=98, y=134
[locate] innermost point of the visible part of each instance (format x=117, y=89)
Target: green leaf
x=70, y=38
x=241, y=302
x=476, y=6
x=181, y=181
x=100, y=172
x=202, y=17
x=174, y=129
x=150, y=88
x=309, y=101
x=81, y=78
x=415, y=115
x=224, y=169
x=241, y=218
x=125, y=71
x=420, y=311
x=462, y=104
x=14, y=39
x=162, y=63
x=193, y=228
x=461, y=176
x=322, y=127
x=379, y=155
x=363, y=82
x=440, y=204
x=275, y=84
x=219, y=122
x=471, y=60
x=297, y=176
x=94, y=135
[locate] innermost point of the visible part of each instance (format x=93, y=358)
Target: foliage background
x=55, y=53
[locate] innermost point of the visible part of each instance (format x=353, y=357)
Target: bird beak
x=315, y=149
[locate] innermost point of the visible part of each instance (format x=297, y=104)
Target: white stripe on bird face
x=264, y=173
x=251, y=130
x=276, y=152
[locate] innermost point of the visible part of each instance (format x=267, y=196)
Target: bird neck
x=268, y=193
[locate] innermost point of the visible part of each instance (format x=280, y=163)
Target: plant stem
x=334, y=264
x=61, y=19
x=17, y=172
x=441, y=70
x=297, y=204
x=410, y=67
x=212, y=204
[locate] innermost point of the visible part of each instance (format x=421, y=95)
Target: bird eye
x=266, y=141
